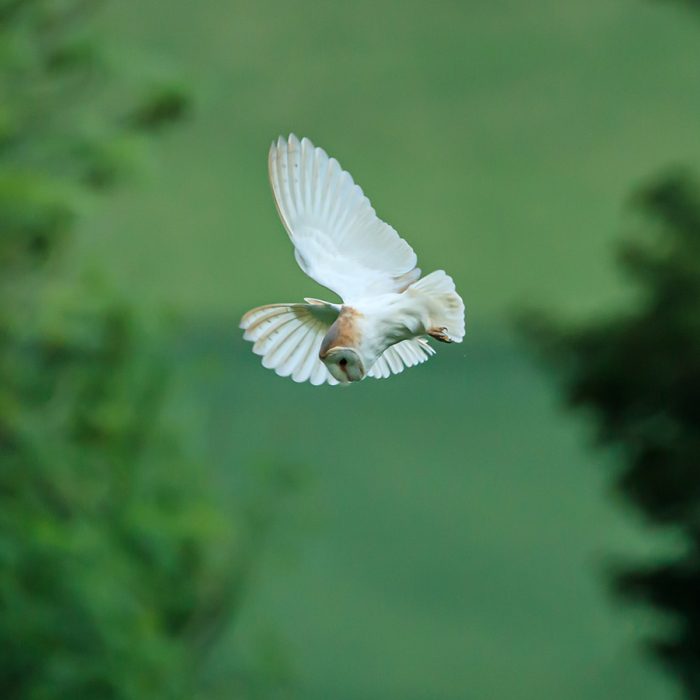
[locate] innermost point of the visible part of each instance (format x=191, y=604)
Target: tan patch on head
x=344, y=333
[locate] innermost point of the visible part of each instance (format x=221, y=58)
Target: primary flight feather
x=387, y=312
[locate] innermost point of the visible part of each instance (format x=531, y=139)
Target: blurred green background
x=453, y=528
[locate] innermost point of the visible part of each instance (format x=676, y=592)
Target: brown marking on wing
x=404, y=281
x=344, y=333
x=257, y=309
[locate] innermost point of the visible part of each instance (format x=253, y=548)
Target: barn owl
x=387, y=310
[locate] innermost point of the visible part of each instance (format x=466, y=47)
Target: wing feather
x=377, y=369
x=396, y=358
x=284, y=345
x=297, y=353
x=307, y=358
x=288, y=337
x=339, y=241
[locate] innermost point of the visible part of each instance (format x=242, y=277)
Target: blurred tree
x=117, y=566
x=638, y=374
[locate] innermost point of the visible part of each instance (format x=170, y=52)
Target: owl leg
x=440, y=334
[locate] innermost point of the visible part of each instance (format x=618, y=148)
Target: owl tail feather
x=444, y=307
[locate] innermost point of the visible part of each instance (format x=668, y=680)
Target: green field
x=452, y=538
x=450, y=541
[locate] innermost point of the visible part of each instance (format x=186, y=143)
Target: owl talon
x=440, y=334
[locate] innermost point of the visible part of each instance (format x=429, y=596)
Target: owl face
x=345, y=365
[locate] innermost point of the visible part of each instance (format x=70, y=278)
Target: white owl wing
x=339, y=240
x=288, y=337
x=397, y=357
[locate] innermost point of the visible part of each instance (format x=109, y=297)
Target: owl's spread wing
x=339, y=240
x=397, y=357
x=288, y=337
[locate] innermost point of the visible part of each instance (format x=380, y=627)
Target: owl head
x=345, y=364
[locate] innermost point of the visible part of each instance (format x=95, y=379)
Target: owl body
x=368, y=327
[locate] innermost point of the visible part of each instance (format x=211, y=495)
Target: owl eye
x=343, y=362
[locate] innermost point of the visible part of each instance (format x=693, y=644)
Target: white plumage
x=387, y=311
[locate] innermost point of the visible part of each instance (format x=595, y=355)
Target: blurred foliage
x=118, y=566
x=638, y=374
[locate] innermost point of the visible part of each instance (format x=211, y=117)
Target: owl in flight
x=387, y=312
